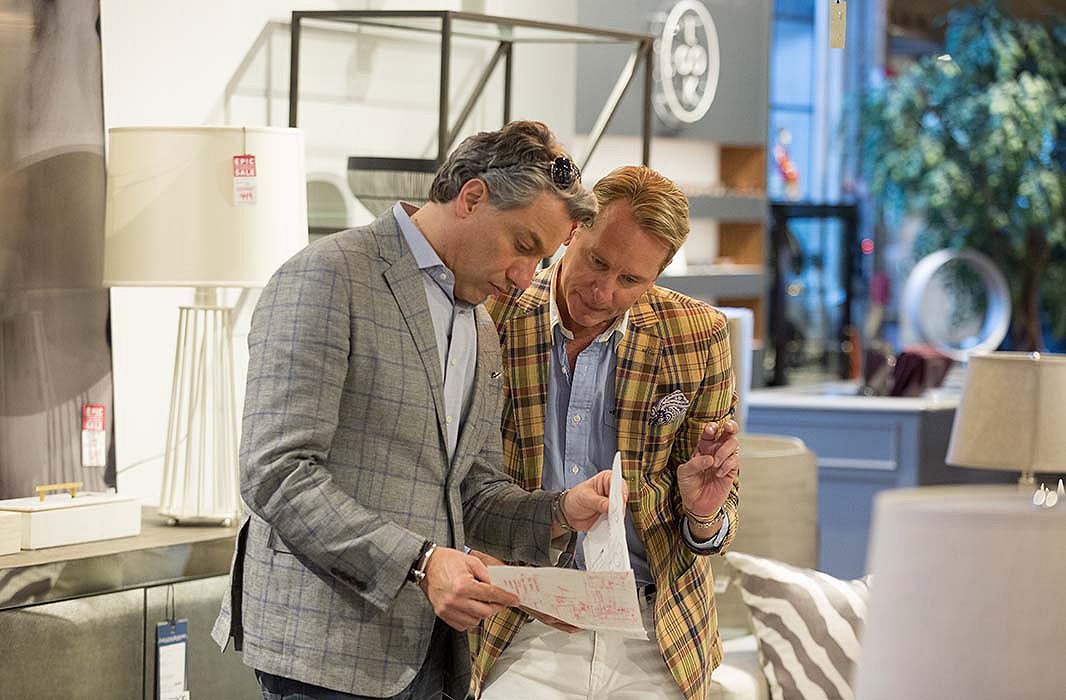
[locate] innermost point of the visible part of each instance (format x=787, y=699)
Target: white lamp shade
x=1012, y=415
x=966, y=599
x=171, y=213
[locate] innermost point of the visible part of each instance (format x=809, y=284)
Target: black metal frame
x=781, y=213
x=446, y=134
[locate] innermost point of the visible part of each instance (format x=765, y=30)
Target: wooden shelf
x=743, y=168
x=757, y=306
x=742, y=243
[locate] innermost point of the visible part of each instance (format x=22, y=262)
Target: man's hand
x=460, y=591
x=586, y=502
x=705, y=480
x=489, y=560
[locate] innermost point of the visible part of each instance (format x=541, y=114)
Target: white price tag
x=172, y=663
x=245, y=187
x=93, y=436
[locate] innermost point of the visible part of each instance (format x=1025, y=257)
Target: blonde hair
x=658, y=205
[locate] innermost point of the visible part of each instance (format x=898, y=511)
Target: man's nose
x=601, y=291
x=521, y=274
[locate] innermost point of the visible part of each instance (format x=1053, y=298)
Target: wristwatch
x=557, y=515
x=418, y=569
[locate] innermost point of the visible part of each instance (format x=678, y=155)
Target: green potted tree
x=975, y=142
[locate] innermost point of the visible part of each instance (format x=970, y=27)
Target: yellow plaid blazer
x=672, y=342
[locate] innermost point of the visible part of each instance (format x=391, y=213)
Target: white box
x=60, y=519
x=10, y=533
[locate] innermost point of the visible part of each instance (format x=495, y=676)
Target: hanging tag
x=244, y=181
x=838, y=22
x=172, y=660
x=93, y=436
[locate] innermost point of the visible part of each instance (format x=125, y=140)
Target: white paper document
x=603, y=598
x=605, y=543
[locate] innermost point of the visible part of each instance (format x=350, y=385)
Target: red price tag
x=244, y=166
x=92, y=416
x=93, y=437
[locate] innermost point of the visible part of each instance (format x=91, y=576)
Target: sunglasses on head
x=563, y=172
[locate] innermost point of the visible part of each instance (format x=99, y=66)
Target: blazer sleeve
x=298, y=362
x=715, y=400
x=499, y=516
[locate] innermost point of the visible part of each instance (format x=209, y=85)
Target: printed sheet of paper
x=605, y=543
x=603, y=598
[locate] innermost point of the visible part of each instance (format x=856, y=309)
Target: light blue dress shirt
x=454, y=325
x=581, y=429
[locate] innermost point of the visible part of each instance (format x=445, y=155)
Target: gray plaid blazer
x=344, y=471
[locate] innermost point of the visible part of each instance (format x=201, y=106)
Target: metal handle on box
x=71, y=486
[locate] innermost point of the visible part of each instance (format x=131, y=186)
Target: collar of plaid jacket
x=523, y=322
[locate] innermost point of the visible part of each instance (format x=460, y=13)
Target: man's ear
x=573, y=230
x=473, y=194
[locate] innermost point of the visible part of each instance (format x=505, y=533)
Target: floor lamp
x=203, y=207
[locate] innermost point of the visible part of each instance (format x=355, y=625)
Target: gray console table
x=79, y=621
x=863, y=445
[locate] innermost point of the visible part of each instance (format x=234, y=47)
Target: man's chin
x=472, y=297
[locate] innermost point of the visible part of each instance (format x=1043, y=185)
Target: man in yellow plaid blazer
x=598, y=358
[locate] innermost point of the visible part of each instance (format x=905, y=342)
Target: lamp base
x=197, y=521
x=200, y=466
x=1027, y=482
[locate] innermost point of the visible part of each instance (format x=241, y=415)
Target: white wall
x=226, y=62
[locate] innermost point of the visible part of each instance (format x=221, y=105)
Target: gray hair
x=515, y=164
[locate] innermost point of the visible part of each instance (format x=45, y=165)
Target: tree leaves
x=977, y=144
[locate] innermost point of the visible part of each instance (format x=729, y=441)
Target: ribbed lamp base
x=200, y=466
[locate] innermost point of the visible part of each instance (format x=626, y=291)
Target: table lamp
x=966, y=596
x=1012, y=415
x=203, y=207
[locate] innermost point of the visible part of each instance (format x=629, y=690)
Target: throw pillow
x=807, y=624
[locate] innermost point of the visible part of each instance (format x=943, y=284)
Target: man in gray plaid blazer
x=371, y=448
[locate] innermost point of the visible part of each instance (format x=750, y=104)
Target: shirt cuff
x=711, y=544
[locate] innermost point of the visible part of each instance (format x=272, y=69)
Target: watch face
x=687, y=63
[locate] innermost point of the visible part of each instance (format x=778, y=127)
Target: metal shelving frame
x=506, y=32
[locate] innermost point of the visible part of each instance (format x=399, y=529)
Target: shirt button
x=574, y=469
x=577, y=418
x=443, y=276
x=448, y=420
x=451, y=363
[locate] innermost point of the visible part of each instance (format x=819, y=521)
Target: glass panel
x=795, y=8
x=792, y=63
x=814, y=300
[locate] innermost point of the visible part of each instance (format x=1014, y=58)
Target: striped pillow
x=807, y=625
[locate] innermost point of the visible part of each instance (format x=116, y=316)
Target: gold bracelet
x=704, y=520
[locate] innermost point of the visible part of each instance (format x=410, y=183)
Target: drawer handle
x=71, y=486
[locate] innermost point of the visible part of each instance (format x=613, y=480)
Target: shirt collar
x=620, y=325
x=425, y=256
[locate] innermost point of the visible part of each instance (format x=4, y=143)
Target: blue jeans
x=428, y=683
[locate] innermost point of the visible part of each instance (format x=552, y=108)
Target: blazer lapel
x=527, y=348
x=405, y=283
x=635, y=378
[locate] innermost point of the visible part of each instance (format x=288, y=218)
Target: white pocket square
x=670, y=408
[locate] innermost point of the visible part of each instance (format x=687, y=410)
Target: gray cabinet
x=863, y=445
